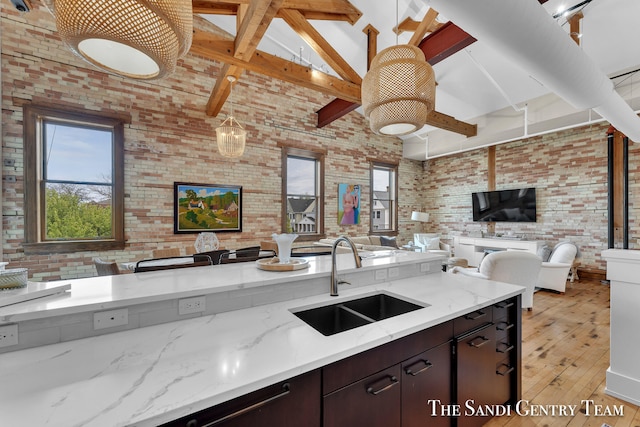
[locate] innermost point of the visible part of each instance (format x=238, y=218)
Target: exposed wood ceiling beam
x=327, y=10
x=318, y=43
x=211, y=46
x=410, y=25
x=574, y=26
x=253, y=22
x=423, y=27
x=447, y=40
x=452, y=124
x=437, y=46
x=372, y=43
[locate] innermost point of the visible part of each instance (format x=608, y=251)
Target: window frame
x=34, y=220
x=318, y=157
x=393, y=167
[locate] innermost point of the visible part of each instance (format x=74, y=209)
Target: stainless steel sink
x=345, y=315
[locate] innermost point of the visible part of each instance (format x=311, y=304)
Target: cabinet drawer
x=354, y=368
x=504, y=310
x=294, y=402
x=504, y=330
x=374, y=401
x=503, y=383
x=472, y=320
x=426, y=377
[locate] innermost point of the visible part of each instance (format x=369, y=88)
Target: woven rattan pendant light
x=398, y=91
x=140, y=39
x=230, y=135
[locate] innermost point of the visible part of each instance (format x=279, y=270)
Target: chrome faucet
x=334, y=278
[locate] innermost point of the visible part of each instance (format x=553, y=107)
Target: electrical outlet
x=424, y=267
x=8, y=335
x=192, y=305
x=381, y=274
x=394, y=272
x=110, y=318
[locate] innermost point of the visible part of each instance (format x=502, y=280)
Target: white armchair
x=555, y=272
x=430, y=243
x=515, y=267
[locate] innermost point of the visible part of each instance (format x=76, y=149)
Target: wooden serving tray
x=273, y=264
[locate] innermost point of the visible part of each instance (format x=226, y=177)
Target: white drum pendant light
x=140, y=39
x=398, y=92
x=230, y=135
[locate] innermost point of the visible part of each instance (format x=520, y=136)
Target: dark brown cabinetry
x=473, y=359
x=507, y=320
x=291, y=403
x=374, y=401
x=487, y=361
x=389, y=386
x=475, y=373
x=426, y=377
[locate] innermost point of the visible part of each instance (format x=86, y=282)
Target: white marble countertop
x=151, y=375
x=109, y=292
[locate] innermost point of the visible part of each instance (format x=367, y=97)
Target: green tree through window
x=74, y=181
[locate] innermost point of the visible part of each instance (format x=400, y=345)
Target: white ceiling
x=478, y=84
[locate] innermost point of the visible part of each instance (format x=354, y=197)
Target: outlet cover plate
x=192, y=305
x=110, y=318
x=8, y=335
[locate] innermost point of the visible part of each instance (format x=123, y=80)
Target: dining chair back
x=156, y=264
x=106, y=268
x=241, y=255
x=215, y=255
x=166, y=253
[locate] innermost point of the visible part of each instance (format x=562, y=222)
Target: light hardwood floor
x=565, y=357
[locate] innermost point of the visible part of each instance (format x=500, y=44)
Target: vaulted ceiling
x=483, y=97
x=340, y=79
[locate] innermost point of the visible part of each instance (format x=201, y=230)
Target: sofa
x=365, y=243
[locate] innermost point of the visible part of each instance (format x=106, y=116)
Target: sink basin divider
x=356, y=313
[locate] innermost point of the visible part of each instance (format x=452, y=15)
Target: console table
x=473, y=249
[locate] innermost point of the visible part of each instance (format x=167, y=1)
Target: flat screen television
x=517, y=205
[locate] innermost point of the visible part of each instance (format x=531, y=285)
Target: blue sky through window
x=301, y=176
x=74, y=153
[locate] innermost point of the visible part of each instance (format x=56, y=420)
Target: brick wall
x=171, y=139
x=568, y=170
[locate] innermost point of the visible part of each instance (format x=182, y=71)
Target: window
x=302, y=182
x=384, y=206
x=74, y=181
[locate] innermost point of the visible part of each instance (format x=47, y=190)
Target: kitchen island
x=149, y=375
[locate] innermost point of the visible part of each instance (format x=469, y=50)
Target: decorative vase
x=284, y=242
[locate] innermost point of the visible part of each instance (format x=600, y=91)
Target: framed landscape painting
x=206, y=207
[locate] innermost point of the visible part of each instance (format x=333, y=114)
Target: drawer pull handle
x=478, y=315
x=505, y=371
x=504, y=304
x=474, y=342
x=393, y=381
x=505, y=348
x=409, y=371
x=503, y=326
x=286, y=389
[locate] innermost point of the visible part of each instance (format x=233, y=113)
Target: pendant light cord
x=231, y=81
x=397, y=29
